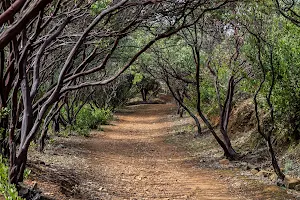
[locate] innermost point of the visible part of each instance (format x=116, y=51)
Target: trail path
x=131, y=160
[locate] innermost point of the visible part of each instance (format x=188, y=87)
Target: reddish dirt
x=132, y=161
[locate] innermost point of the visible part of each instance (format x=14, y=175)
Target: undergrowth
x=88, y=119
x=8, y=190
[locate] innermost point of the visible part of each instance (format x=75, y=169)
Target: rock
x=297, y=187
x=32, y=193
x=254, y=171
x=291, y=183
x=280, y=183
x=23, y=190
x=36, y=197
x=245, y=167
x=264, y=173
x=244, y=163
x=60, y=146
x=224, y=162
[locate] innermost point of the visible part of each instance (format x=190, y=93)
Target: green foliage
x=102, y=116
x=88, y=118
x=138, y=77
x=288, y=165
x=99, y=5
x=27, y=173
x=287, y=90
x=136, y=72
x=8, y=190
x=4, y=112
x=283, y=37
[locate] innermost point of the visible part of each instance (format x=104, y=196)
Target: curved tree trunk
x=274, y=160
x=227, y=153
x=17, y=167
x=225, y=115
x=228, y=144
x=185, y=108
x=42, y=138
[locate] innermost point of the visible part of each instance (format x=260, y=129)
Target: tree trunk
x=181, y=104
x=228, y=143
x=274, y=160
x=42, y=139
x=55, y=124
x=3, y=142
x=17, y=167
x=225, y=115
x=181, y=112
x=227, y=153
x=144, y=95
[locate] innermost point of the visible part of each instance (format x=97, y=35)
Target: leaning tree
x=48, y=47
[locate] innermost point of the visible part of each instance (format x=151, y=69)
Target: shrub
x=88, y=118
x=102, y=116
x=8, y=190
x=85, y=118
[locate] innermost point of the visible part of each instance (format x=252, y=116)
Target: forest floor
x=136, y=157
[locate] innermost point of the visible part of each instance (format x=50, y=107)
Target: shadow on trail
x=132, y=160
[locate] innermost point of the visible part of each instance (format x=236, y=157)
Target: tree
x=289, y=9
x=49, y=52
x=266, y=71
x=147, y=85
x=201, y=68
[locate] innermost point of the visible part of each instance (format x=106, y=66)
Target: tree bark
x=274, y=160
x=185, y=108
x=225, y=115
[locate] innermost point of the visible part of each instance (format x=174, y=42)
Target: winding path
x=131, y=160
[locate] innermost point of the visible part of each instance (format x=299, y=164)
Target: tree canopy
x=58, y=56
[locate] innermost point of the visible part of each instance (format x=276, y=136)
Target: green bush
x=102, y=116
x=85, y=118
x=8, y=190
x=3, y=113
x=88, y=119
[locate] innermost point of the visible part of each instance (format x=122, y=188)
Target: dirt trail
x=130, y=160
